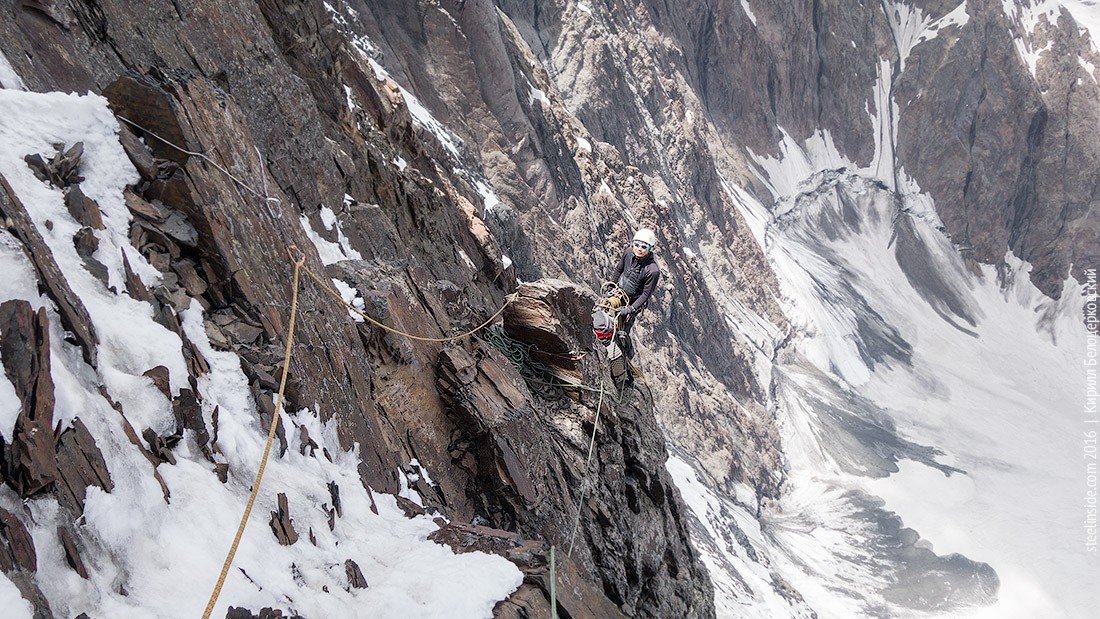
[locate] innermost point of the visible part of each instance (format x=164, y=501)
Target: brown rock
x=305, y=442
x=242, y=333
x=134, y=285
x=25, y=352
x=189, y=277
x=355, y=575
x=179, y=229
x=155, y=213
x=188, y=414
x=74, y=317
x=265, y=613
x=60, y=170
x=83, y=209
x=138, y=153
x=159, y=376
x=80, y=464
x=16, y=545
x=160, y=448
x=72, y=555
x=134, y=96
x=412, y=510
x=86, y=242
x=281, y=524
x=553, y=315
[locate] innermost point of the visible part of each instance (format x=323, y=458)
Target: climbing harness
x=298, y=265
x=611, y=299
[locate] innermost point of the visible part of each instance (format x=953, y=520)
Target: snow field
x=147, y=557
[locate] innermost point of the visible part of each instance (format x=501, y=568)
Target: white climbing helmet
x=646, y=236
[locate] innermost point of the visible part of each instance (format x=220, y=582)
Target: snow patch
x=8, y=77
x=1026, y=16
x=910, y=27
x=584, y=145
x=1087, y=14
x=488, y=196
x=537, y=95
x=328, y=251
x=748, y=11
x=350, y=294
x=12, y=601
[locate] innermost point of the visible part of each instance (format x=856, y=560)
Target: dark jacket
x=637, y=278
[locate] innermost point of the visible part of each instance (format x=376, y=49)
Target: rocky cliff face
x=430, y=155
x=317, y=143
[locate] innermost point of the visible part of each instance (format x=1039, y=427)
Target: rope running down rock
x=298, y=265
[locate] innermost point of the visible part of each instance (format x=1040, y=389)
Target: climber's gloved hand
x=624, y=312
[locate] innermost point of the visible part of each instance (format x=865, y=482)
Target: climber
x=636, y=274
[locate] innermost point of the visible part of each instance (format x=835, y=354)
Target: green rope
x=553, y=587
x=533, y=373
x=584, y=482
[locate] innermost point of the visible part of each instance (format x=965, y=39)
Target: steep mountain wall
x=431, y=154
x=282, y=106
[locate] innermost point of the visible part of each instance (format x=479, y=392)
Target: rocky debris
x=481, y=390
x=19, y=562
x=138, y=153
x=265, y=401
x=74, y=317
x=134, y=286
x=411, y=510
x=281, y=524
x=306, y=443
x=159, y=376
x=16, y=545
x=86, y=244
x=161, y=446
x=30, y=462
x=355, y=575
x=334, y=492
x=153, y=212
x=61, y=169
x=188, y=413
x=576, y=597
x=72, y=554
x=80, y=464
x=83, y=209
x=265, y=613
x=554, y=317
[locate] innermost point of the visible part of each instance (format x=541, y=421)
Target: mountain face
x=875, y=226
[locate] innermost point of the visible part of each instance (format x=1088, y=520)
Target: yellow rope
x=299, y=264
x=351, y=307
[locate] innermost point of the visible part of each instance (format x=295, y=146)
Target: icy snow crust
x=166, y=557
